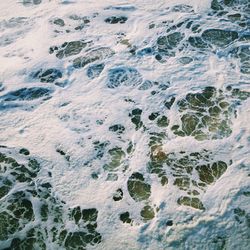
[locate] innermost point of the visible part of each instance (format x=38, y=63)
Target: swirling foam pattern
x=124, y=124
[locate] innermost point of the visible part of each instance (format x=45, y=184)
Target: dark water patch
x=66, y=2
x=228, y=3
x=69, y=24
x=47, y=75
x=147, y=84
x=60, y=22
x=82, y=25
x=31, y=2
x=26, y=94
x=145, y=51
x=218, y=37
x=240, y=95
x=95, y=70
x=125, y=218
x=8, y=106
x=210, y=172
x=243, y=54
x=24, y=151
x=234, y=17
x=215, y=5
x=183, y=8
x=92, y=56
x=138, y=188
x=116, y=156
x=112, y=177
x=193, y=202
x=241, y=216
x=185, y=60
x=79, y=18
x=153, y=116
x=123, y=76
x=197, y=42
x=169, y=102
x=147, y=213
x=167, y=44
x=162, y=121
x=100, y=148
x=116, y=19
x=118, y=195
x=68, y=49
x=117, y=128
x=169, y=223
x=122, y=8
x=136, y=118
x=64, y=154
x=157, y=158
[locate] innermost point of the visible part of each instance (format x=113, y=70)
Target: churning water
x=124, y=124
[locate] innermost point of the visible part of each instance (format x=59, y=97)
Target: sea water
x=124, y=124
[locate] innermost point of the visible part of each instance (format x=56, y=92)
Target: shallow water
x=124, y=124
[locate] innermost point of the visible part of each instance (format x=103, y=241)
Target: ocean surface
x=124, y=124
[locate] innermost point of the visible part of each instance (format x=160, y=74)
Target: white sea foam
x=81, y=110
